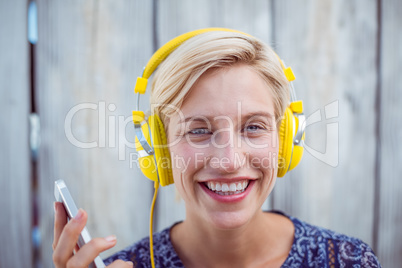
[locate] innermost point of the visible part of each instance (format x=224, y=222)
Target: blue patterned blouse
x=312, y=247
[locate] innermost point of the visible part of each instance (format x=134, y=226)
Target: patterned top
x=312, y=247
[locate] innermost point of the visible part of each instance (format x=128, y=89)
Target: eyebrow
x=210, y=118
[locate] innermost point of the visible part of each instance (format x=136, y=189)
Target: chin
x=229, y=220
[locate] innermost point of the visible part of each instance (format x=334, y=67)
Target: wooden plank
x=177, y=17
x=15, y=167
x=180, y=16
x=389, y=232
x=331, y=46
x=88, y=56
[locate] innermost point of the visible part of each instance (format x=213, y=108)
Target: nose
x=228, y=155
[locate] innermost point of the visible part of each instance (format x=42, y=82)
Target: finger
x=91, y=250
x=76, y=248
x=120, y=263
x=68, y=238
x=60, y=220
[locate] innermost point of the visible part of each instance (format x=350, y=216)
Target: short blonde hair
x=177, y=74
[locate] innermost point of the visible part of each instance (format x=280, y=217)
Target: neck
x=197, y=243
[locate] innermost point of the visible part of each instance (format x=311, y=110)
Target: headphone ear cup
x=146, y=163
x=286, y=132
x=159, y=163
x=161, y=150
x=298, y=150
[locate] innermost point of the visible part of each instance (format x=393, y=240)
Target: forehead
x=229, y=91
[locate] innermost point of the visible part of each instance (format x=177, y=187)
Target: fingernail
x=79, y=215
x=130, y=262
x=110, y=238
x=54, y=207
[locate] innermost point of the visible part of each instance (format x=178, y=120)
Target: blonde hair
x=175, y=77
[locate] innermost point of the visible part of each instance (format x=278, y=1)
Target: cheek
x=267, y=141
x=264, y=156
x=185, y=161
x=266, y=161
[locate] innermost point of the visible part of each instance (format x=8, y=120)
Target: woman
x=230, y=93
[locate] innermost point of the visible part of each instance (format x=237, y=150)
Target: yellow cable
x=151, y=220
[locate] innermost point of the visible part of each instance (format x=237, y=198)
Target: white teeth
x=218, y=187
x=225, y=189
x=240, y=186
x=233, y=187
x=211, y=186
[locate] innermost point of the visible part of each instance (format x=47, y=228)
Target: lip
x=229, y=180
x=228, y=198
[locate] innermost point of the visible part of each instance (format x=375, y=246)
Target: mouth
x=225, y=188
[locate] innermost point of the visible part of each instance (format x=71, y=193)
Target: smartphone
x=62, y=194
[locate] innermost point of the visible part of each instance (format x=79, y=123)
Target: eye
x=253, y=128
x=200, y=131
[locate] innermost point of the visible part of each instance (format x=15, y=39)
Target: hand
x=66, y=234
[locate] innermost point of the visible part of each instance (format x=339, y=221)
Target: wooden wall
x=89, y=54
x=15, y=166
x=346, y=56
x=389, y=99
x=333, y=51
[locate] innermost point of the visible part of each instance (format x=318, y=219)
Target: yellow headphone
x=151, y=141
x=154, y=156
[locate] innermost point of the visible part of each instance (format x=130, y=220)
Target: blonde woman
x=229, y=92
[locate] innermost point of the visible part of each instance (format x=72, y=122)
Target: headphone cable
x=151, y=242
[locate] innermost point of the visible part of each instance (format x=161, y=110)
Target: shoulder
x=139, y=253
x=319, y=247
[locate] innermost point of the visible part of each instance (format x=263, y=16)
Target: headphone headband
x=160, y=55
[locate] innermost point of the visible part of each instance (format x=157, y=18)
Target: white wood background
x=15, y=168
x=346, y=56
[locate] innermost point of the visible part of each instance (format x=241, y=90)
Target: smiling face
x=224, y=147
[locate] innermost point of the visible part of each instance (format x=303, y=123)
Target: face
x=224, y=147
